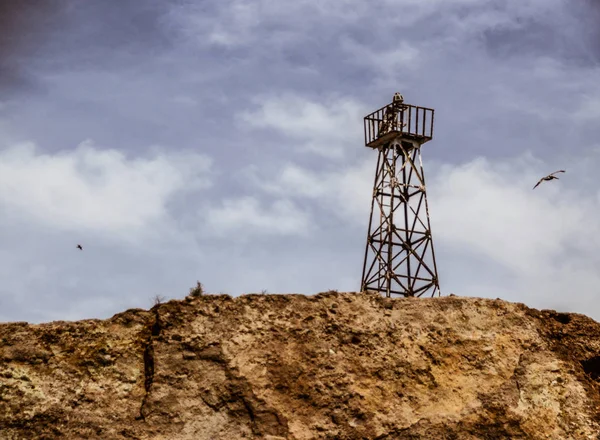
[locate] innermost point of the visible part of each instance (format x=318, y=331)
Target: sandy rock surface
x=330, y=366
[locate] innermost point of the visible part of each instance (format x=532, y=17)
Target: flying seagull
x=548, y=177
x=79, y=247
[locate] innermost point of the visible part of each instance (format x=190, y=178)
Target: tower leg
x=399, y=254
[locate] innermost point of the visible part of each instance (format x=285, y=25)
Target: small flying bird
x=79, y=247
x=548, y=177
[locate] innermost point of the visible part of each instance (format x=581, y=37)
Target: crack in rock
x=149, y=365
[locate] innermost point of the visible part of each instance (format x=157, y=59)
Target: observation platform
x=393, y=120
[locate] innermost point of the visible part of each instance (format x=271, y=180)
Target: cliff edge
x=329, y=366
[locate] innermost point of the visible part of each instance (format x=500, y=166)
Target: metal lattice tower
x=399, y=256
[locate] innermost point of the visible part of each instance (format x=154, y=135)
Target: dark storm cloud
x=23, y=24
x=570, y=34
x=102, y=33
x=591, y=15
x=64, y=34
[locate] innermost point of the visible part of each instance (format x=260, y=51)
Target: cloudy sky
x=222, y=141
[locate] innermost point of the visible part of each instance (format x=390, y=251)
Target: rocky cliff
x=334, y=365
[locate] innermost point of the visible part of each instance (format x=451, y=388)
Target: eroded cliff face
x=334, y=365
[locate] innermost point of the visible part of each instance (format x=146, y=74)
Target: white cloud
x=295, y=180
x=237, y=23
x=401, y=57
x=344, y=193
x=589, y=109
x=187, y=101
x=246, y=216
x=324, y=128
x=92, y=189
x=502, y=218
x=545, y=240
